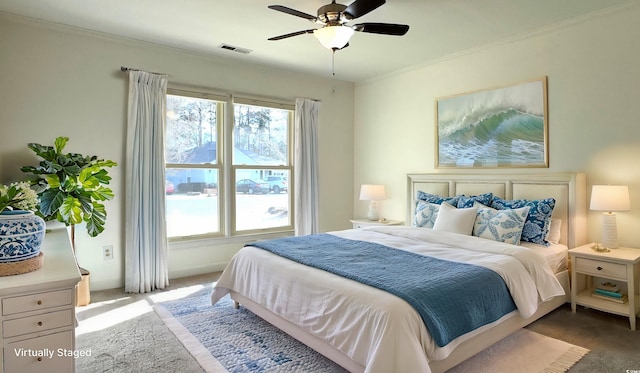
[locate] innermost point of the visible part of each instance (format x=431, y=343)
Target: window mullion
x=227, y=169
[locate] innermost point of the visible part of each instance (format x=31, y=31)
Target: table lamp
x=373, y=193
x=610, y=198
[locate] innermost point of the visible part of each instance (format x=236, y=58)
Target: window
x=227, y=182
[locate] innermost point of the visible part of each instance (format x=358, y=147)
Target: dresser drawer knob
x=39, y=323
x=39, y=358
x=39, y=303
x=599, y=268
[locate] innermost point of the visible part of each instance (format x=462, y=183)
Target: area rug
x=224, y=339
x=524, y=351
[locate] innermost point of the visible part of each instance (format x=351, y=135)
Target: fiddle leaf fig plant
x=71, y=186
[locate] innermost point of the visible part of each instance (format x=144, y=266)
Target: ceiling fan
x=335, y=33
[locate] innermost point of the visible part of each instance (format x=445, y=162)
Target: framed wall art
x=499, y=127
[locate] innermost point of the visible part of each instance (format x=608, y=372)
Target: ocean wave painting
x=504, y=127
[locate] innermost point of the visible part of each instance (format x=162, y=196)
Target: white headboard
x=568, y=189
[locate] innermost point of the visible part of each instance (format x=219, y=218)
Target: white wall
x=593, y=70
x=58, y=81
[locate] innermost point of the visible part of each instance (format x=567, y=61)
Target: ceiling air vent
x=235, y=49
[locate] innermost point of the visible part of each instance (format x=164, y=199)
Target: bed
x=366, y=329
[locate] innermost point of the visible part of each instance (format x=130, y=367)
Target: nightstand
x=362, y=223
x=621, y=265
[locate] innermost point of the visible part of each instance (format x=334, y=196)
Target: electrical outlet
x=107, y=252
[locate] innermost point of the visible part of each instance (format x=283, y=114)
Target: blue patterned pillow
x=468, y=201
x=536, y=228
x=500, y=225
x=426, y=214
x=432, y=198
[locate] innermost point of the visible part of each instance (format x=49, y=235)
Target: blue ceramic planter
x=21, y=234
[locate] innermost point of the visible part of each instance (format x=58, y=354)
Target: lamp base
x=609, y=231
x=373, y=214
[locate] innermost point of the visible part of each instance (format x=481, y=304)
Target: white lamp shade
x=610, y=198
x=333, y=37
x=370, y=192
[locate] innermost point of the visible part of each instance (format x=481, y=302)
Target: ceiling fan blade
x=361, y=7
x=293, y=12
x=310, y=31
x=382, y=28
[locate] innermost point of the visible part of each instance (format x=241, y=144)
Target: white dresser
x=38, y=314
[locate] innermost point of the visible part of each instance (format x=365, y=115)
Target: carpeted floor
x=124, y=334
x=120, y=349
x=127, y=336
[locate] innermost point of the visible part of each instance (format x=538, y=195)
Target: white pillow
x=500, y=225
x=451, y=219
x=554, y=231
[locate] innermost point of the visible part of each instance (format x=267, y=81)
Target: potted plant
x=72, y=188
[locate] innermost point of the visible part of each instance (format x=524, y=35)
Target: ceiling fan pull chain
x=333, y=62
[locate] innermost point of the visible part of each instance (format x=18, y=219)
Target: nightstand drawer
x=34, y=302
x=38, y=323
x=601, y=268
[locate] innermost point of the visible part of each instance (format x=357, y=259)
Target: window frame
x=221, y=107
x=244, y=100
x=225, y=122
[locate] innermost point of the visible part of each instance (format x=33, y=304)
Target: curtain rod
x=127, y=69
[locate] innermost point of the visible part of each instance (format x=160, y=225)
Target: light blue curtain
x=146, y=266
x=306, y=166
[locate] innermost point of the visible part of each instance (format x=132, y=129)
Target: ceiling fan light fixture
x=333, y=37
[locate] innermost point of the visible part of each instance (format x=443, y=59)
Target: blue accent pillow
x=432, y=198
x=536, y=227
x=469, y=201
x=500, y=225
x=426, y=214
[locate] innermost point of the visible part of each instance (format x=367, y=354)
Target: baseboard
x=96, y=285
x=180, y=273
x=193, y=271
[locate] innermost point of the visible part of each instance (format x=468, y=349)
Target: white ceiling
x=439, y=28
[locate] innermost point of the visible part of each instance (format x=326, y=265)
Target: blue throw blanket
x=452, y=298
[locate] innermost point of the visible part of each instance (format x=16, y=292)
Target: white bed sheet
x=374, y=328
x=556, y=255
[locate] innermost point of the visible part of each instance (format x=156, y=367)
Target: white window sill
x=213, y=241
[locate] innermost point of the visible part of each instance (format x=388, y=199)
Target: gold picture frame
x=494, y=128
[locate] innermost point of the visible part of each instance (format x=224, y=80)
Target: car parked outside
x=277, y=184
x=168, y=187
x=252, y=186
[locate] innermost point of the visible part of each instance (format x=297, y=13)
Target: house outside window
x=223, y=182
